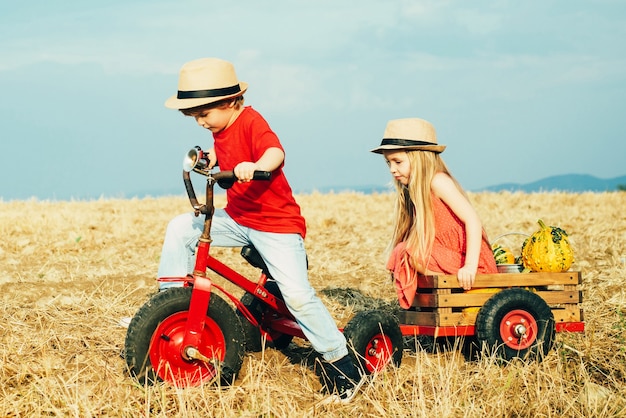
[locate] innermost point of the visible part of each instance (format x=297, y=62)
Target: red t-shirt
x=267, y=206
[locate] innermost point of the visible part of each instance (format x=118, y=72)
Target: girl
x=436, y=228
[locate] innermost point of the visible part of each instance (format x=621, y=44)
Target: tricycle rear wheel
x=259, y=310
x=376, y=340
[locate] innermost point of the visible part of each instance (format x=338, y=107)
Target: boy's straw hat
x=204, y=81
x=411, y=134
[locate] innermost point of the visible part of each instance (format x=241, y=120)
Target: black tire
x=152, y=346
x=252, y=334
x=515, y=323
x=375, y=340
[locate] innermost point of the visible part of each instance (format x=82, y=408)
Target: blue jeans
x=285, y=257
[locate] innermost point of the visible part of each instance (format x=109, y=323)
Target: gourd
x=502, y=254
x=547, y=250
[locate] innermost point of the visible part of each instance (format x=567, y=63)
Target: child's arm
x=444, y=188
x=271, y=159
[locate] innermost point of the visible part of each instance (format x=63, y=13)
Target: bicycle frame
x=202, y=284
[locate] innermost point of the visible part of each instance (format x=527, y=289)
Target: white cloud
x=351, y=62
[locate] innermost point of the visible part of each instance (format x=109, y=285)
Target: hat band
x=404, y=142
x=199, y=94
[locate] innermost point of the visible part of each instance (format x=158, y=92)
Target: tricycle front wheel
x=153, y=346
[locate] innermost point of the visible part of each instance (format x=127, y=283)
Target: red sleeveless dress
x=448, y=254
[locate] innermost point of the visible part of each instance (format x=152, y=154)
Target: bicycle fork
x=201, y=293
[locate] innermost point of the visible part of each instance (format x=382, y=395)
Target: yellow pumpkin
x=547, y=250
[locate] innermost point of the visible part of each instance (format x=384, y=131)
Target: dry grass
x=70, y=270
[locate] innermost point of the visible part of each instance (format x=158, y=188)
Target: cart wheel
x=516, y=323
x=252, y=334
x=155, y=334
x=376, y=339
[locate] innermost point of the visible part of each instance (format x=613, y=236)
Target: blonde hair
x=415, y=220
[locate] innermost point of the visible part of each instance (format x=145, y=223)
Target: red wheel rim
x=518, y=329
x=378, y=353
x=166, y=351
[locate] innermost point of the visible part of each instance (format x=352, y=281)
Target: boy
x=262, y=213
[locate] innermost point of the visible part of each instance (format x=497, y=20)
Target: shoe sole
x=335, y=399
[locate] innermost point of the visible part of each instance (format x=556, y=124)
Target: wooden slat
x=560, y=297
x=570, y=313
x=455, y=319
x=418, y=318
x=451, y=300
x=503, y=280
x=444, y=293
x=436, y=319
x=469, y=316
x=567, y=313
x=463, y=300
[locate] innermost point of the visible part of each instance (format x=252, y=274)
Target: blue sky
x=518, y=91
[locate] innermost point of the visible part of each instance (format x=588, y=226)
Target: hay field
x=70, y=270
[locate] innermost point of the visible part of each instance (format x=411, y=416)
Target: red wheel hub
x=166, y=352
x=378, y=353
x=518, y=329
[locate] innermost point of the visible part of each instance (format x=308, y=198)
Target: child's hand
x=210, y=154
x=466, y=277
x=245, y=171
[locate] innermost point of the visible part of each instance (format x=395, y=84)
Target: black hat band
x=199, y=94
x=403, y=142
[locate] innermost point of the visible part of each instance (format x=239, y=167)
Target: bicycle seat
x=252, y=256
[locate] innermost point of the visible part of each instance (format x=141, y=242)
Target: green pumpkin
x=502, y=255
x=547, y=250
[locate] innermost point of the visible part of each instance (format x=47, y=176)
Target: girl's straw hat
x=411, y=134
x=204, y=81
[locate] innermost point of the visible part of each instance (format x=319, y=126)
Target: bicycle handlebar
x=230, y=175
x=225, y=179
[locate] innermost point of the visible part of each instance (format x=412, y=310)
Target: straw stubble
x=70, y=270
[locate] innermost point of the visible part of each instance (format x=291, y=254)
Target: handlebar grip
x=226, y=179
x=262, y=175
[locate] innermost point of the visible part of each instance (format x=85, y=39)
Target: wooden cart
x=513, y=315
x=441, y=308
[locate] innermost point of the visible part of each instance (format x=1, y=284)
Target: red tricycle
x=191, y=335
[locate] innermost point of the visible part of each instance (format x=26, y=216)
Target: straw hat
x=204, y=81
x=411, y=134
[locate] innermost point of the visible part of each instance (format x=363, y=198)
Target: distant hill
x=573, y=183
x=576, y=183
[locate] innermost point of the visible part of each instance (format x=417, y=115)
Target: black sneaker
x=341, y=380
